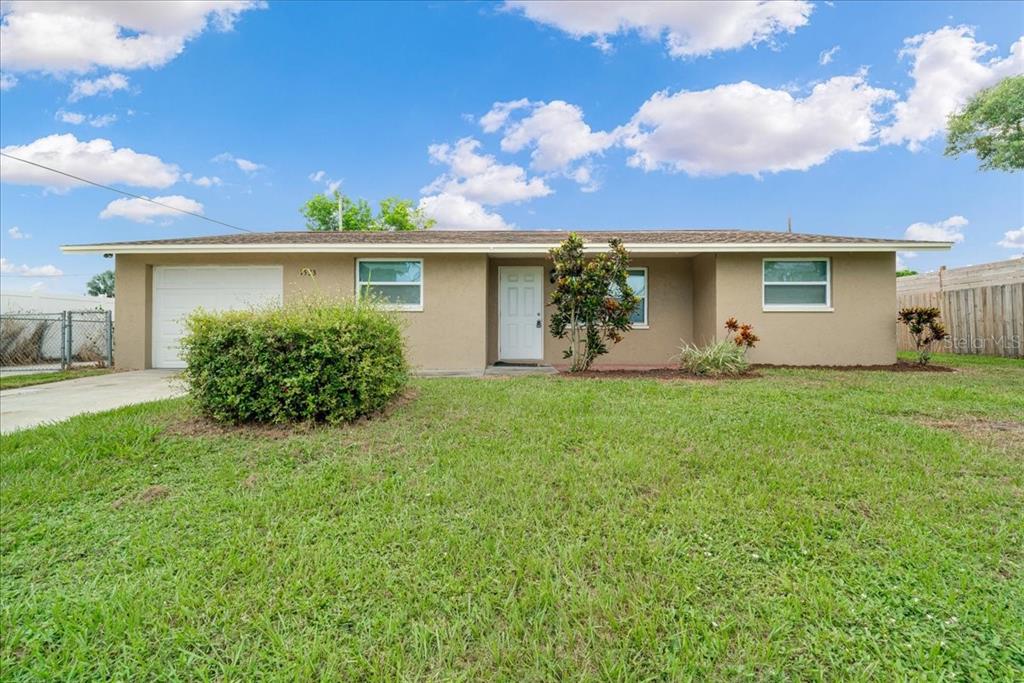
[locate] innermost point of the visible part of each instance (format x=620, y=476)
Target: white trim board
x=512, y=249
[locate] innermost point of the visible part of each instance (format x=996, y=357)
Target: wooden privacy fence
x=982, y=307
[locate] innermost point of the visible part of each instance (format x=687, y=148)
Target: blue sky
x=686, y=116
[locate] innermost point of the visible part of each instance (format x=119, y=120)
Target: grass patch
x=805, y=524
x=30, y=379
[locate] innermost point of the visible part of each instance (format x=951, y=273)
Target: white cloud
x=584, y=176
x=556, y=134
x=243, y=164
x=948, y=68
x=901, y=255
x=16, y=233
x=949, y=230
x=455, y=212
x=493, y=120
x=96, y=159
x=59, y=37
x=1013, y=239
x=71, y=117
x=248, y=166
x=456, y=198
x=688, y=28
x=321, y=176
x=75, y=118
x=745, y=128
x=826, y=56
x=141, y=211
x=202, y=181
x=102, y=120
x=480, y=178
x=105, y=85
x=49, y=270
x=7, y=81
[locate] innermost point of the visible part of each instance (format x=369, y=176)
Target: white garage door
x=179, y=290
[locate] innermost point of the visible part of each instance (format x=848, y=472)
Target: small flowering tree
x=925, y=327
x=592, y=299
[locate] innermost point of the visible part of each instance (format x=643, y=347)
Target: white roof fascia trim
x=641, y=248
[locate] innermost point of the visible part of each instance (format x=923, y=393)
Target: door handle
x=538, y=324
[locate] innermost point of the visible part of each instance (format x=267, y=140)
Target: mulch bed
x=677, y=374
x=655, y=373
x=898, y=366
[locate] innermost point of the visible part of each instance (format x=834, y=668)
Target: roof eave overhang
x=509, y=249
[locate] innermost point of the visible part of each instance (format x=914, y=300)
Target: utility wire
x=127, y=194
x=32, y=277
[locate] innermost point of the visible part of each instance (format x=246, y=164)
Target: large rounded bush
x=317, y=360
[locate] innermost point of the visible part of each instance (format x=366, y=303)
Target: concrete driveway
x=32, y=406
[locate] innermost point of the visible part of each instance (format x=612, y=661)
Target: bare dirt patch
x=1005, y=434
x=191, y=423
x=148, y=495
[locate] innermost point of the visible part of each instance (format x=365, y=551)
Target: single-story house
x=473, y=298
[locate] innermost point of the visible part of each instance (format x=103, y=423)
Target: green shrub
x=317, y=360
x=720, y=358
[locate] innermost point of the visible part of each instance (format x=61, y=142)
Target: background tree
x=592, y=299
x=101, y=284
x=991, y=127
x=321, y=213
x=906, y=272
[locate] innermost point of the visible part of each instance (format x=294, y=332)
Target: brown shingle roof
x=514, y=237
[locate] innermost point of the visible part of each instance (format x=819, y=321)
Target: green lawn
x=808, y=524
x=30, y=379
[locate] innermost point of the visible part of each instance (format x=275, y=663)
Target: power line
x=127, y=194
x=46, y=275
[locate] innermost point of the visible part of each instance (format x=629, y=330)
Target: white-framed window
x=796, y=284
x=396, y=283
x=636, y=278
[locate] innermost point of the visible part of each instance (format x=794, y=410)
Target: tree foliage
x=991, y=127
x=101, y=284
x=905, y=272
x=592, y=298
x=395, y=214
x=925, y=327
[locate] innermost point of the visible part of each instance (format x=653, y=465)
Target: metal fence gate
x=38, y=342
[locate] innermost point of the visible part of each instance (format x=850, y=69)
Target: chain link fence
x=38, y=342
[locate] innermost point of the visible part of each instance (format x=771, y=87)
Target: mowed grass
x=807, y=524
x=16, y=381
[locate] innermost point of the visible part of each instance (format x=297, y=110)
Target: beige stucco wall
x=669, y=312
x=448, y=334
x=860, y=330
x=688, y=299
x=704, y=300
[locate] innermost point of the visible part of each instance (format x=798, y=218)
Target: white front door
x=521, y=312
x=179, y=290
